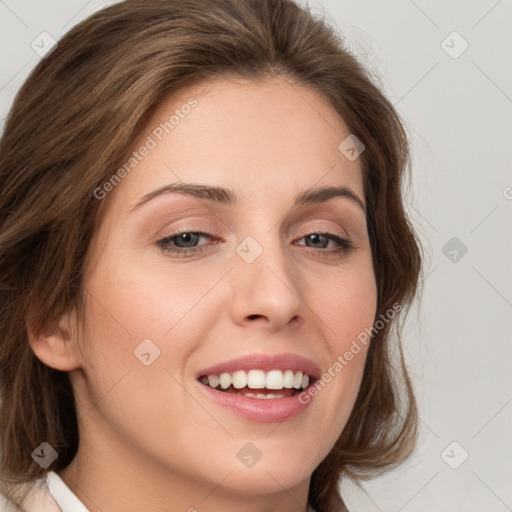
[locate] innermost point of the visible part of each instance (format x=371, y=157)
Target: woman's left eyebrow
x=228, y=197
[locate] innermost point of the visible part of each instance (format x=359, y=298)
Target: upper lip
x=264, y=362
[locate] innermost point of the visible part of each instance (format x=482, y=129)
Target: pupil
x=315, y=238
x=186, y=238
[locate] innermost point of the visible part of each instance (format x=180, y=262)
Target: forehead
x=266, y=138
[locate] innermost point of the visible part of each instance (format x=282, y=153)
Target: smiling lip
x=274, y=410
x=265, y=362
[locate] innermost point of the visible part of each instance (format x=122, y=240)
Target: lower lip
x=270, y=410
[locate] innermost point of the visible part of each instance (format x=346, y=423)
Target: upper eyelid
x=212, y=225
x=207, y=231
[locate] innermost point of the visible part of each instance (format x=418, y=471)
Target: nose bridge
x=265, y=283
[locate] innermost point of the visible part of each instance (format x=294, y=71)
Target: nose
x=266, y=291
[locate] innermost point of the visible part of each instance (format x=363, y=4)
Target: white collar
x=62, y=494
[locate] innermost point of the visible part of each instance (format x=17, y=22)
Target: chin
x=274, y=470
x=264, y=481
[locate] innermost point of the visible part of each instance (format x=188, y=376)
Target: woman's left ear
x=57, y=345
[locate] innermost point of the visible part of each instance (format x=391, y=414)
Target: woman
x=204, y=253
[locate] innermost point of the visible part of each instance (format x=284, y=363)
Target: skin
x=148, y=439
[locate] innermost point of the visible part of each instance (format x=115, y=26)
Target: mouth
x=261, y=387
x=259, y=384
x=261, y=376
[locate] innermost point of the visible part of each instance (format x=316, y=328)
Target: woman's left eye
x=184, y=244
x=344, y=245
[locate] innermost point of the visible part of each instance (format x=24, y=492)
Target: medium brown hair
x=73, y=123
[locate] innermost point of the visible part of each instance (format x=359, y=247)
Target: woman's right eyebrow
x=228, y=197
x=208, y=192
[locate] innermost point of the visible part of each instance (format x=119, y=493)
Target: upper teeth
x=258, y=379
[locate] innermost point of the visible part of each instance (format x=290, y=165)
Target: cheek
x=141, y=301
x=134, y=309
x=131, y=302
x=347, y=304
x=346, y=310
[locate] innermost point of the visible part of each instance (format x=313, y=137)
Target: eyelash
x=345, y=245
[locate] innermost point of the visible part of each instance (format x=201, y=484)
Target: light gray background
x=458, y=112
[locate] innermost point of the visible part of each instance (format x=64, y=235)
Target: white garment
x=51, y=494
x=47, y=494
x=62, y=494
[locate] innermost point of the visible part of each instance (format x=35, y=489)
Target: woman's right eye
x=183, y=237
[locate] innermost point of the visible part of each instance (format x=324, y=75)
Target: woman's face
x=269, y=281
